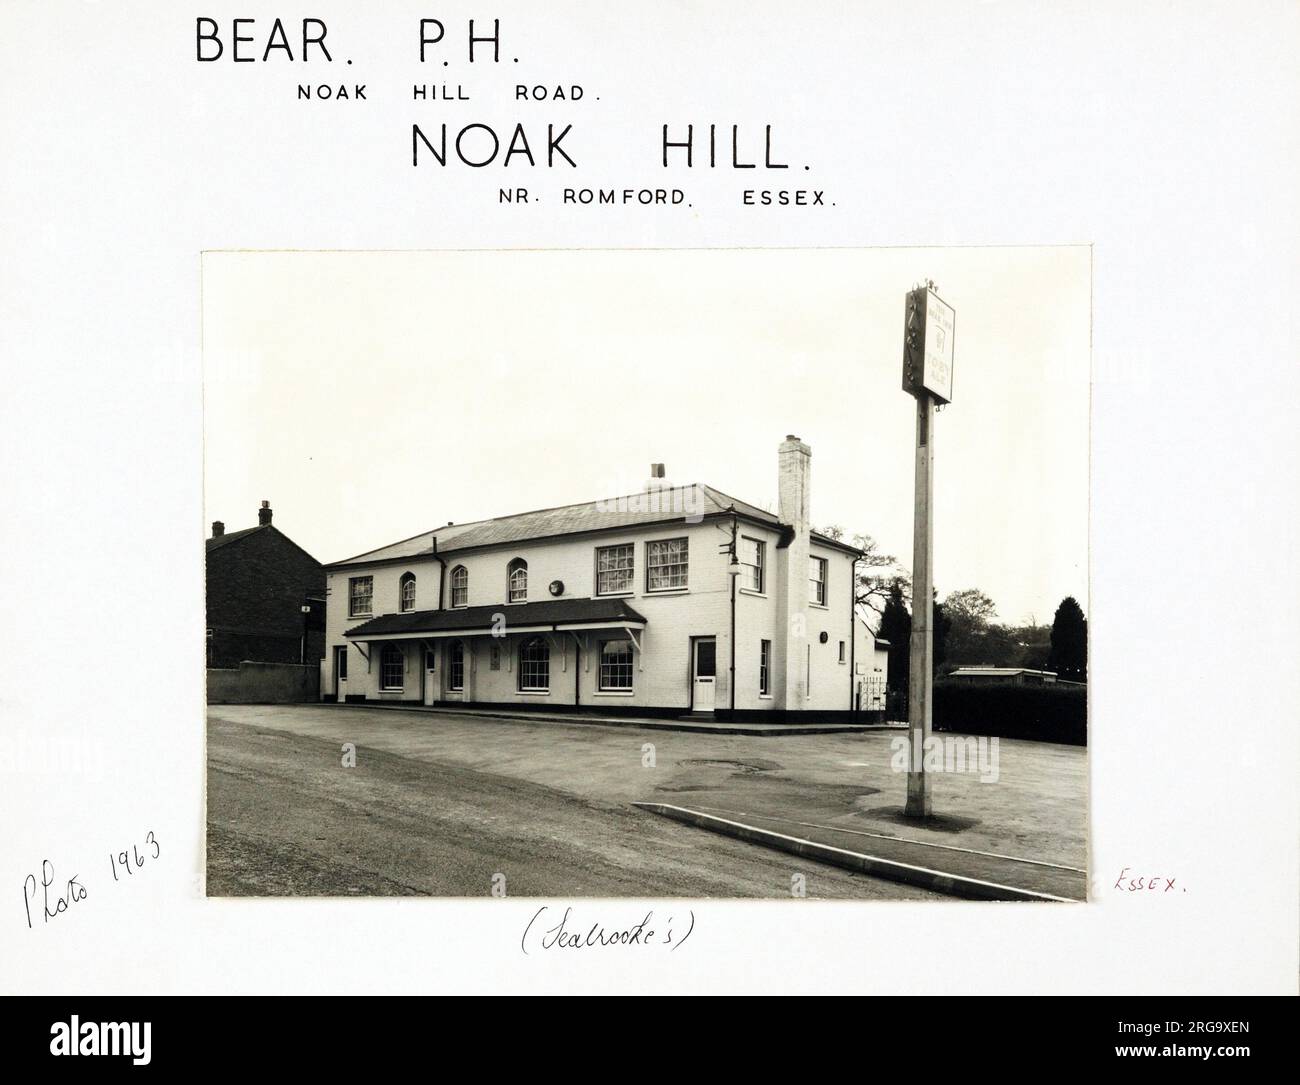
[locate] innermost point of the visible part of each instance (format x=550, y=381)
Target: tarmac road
x=285, y=818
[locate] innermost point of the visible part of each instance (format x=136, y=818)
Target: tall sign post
x=928, y=327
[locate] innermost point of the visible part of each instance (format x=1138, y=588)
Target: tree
x=1032, y=646
x=971, y=606
x=1069, y=653
x=896, y=627
x=972, y=637
x=875, y=574
x=940, y=631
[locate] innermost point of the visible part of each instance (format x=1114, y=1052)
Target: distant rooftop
x=997, y=672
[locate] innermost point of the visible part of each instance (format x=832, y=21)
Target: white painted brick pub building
x=631, y=605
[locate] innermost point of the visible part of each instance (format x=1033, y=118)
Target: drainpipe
x=442, y=586
x=442, y=573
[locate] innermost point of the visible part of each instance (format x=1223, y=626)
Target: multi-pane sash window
x=666, y=564
x=616, y=665
x=392, y=668
x=361, y=592
x=753, y=557
x=517, y=578
x=407, y=593
x=456, y=666
x=614, y=566
x=535, y=665
x=765, y=667
x=817, y=581
x=459, y=586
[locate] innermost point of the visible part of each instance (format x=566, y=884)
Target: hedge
x=1050, y=713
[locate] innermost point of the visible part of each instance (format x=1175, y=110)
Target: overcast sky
x=373, y=396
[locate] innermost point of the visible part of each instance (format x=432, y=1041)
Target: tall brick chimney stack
x=795, y=473
x=794, y=477
x=264, y=514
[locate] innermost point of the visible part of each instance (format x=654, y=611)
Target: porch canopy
x=544, y=616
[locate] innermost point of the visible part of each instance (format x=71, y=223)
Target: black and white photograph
x=595, y=573
x=648, y=500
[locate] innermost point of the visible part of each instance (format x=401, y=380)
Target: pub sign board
x=928, y=327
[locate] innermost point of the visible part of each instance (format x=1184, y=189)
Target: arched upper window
x=392, y=668
x=460, y=586
x=406, y=593
x=535, y=665
x=517, y=580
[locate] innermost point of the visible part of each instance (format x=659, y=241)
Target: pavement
x=694, y=724
x=436, y=799
x=958, y=871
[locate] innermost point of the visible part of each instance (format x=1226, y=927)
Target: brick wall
x=256, y=587
x=264, y=683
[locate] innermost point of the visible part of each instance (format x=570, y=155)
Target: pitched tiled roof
x=217, y=541
x=669, y=504
x=552, y=612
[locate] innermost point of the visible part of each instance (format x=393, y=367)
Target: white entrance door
x=705, y=672
x=340, y=673
x=430, y=676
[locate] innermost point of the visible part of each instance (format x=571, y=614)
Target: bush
x=1050, y=713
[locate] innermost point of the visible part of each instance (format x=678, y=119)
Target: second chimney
x=218, y=529
x=656, y=483
x=264, y=514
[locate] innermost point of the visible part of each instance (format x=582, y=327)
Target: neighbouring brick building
x=266, y=597
x=673, y=600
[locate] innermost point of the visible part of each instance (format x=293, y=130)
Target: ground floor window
x=535, y=665
x=392, y=668
x=765, y=667
x=456, y=665
x=616, y=665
